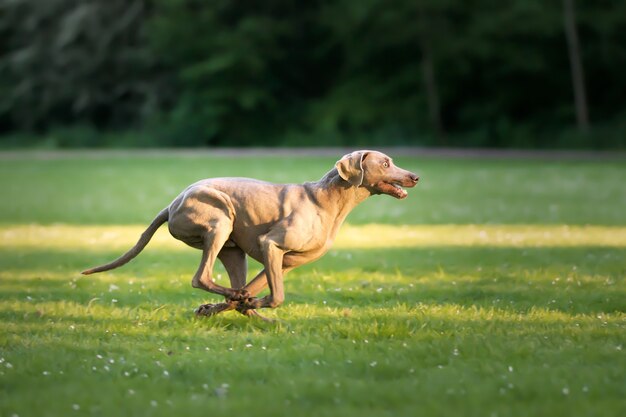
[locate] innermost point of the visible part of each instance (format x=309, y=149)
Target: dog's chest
x=310, y=253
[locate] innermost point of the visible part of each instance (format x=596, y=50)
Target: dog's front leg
x=273, y=262
x=247, y=307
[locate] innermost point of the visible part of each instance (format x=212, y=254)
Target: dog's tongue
x=393, y=190
x=401, y=191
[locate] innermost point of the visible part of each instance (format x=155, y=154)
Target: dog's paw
x=239, y=295
x=250, y=303
x=206, y=310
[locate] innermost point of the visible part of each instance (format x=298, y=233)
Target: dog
x=282, y=226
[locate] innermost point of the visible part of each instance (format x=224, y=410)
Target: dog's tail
x=134, y=251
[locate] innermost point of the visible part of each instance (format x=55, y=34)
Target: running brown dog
x=280, y=225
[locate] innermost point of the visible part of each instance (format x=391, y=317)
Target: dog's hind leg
x=234, y=261
x=214, y=240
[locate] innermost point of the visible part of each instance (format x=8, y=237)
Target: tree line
x=517, y=73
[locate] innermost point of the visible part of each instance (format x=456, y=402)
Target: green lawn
x=496, y=289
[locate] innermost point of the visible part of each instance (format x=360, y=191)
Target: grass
x=496, y=289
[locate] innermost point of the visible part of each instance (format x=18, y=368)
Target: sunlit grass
x=117, y=237
x=399, y=318
x=444, y=318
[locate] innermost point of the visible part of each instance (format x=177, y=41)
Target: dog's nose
x=414, y=178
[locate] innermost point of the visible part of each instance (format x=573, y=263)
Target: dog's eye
x=386, y=164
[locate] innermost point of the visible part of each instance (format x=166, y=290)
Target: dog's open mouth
x=393, y=189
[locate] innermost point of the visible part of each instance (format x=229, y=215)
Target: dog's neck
x=336, y=194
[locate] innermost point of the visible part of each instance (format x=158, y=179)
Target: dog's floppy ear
x=350, y=167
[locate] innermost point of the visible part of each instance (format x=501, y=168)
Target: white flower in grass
x=565, y=391
x=46, y=373
x=249, y=345
x=131, y=391
x=9, y=365
x=373, y=364
x=154, y=403
x=99, y=356
x=75, y=407
x=222, y=391
x=165, y=373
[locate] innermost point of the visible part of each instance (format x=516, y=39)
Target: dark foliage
x=316, y=72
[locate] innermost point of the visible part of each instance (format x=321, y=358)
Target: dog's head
x=376, y=172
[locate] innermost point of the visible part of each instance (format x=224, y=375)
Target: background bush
x=344, y=72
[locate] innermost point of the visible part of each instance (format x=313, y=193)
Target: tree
x=73, y=62
x=576, y=66
x=425, y=35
